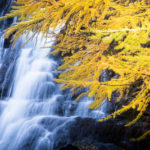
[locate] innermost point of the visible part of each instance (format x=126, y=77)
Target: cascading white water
x=32, y=84
x=35, y=97
x=34, y=114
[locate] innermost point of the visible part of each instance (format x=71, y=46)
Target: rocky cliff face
x=5, y=7
x=7, y=55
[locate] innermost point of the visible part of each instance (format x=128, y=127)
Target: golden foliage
x=97, y=35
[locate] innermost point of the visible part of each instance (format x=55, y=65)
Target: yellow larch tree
x=96, y=35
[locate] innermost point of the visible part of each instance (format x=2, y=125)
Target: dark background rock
x=111, y=133
x=69, y=147
x=8, y=55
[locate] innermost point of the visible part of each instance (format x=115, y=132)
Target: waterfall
x=34, y=99
x=34, y=113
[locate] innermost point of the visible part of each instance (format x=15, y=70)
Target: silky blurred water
x=34, y=108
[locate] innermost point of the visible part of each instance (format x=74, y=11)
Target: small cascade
x=35, y=108
x=34, y=114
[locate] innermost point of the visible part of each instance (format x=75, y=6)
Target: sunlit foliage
x=96, y=35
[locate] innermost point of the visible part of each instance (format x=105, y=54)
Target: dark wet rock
x=146, y=45
x=109, y=146
x=107, y=75
x=96, y=146
x=90, y=146
x=5, y=7
x=112, y=48
x=107, y=106
x=107, y=17
x=7, y=42
x=7, y=70
x=111, y=8
x=111, y=134
x=81, y=129
x=8, y=56
x=76, y=94
x=69, y=147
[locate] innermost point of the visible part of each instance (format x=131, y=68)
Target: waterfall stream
x=34, y=113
